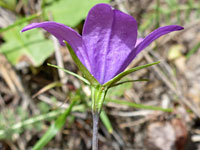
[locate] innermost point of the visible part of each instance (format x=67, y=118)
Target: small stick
x=59, y=60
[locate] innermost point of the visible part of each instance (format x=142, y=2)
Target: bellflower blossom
x=109, y=40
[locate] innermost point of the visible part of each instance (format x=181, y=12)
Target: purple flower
x=109, y=40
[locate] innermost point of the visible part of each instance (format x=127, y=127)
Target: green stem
x=98, y=96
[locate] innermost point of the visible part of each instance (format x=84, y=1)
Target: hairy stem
x=95, y=116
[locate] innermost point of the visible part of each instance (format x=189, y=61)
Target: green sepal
x=98, y=94
x=128, y=81
x=123, y=74
x=71, y=73
x=83, y=69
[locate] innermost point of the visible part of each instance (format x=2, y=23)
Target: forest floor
x=26, y=112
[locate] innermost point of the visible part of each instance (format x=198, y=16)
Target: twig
x=132, y=114
x=177, y=34
x=15, y=84
x=57, y=104
x=118, y=138
x=121, y=6
x=47, y=100
x=132, y=95
x=59, y=61
x=134, y=123
x=172, y=87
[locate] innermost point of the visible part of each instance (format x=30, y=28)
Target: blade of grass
x=13, y=128
x=139, y=106
x=19, y=22
x=188, y=11
x=55, y=127
x=193, y=50
x=7, y=6
x=198, y=9
x=47, y=87
x=157, y=13
x=30, y=121
x=71, y=73
x=106, y=121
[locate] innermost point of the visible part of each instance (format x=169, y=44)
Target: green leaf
x=55, y=127
x=140, y=106
x=71, y=12
x=31, y=47
x=71, y=73
x=123, y=74
x=82, y=68
x=106, y=121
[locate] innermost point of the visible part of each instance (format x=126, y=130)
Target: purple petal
x=139, y=40
x=64, y=33
x=109, y=36
x=148, y=40
x=156, y=34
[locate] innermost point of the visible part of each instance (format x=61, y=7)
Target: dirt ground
x=173, y=84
